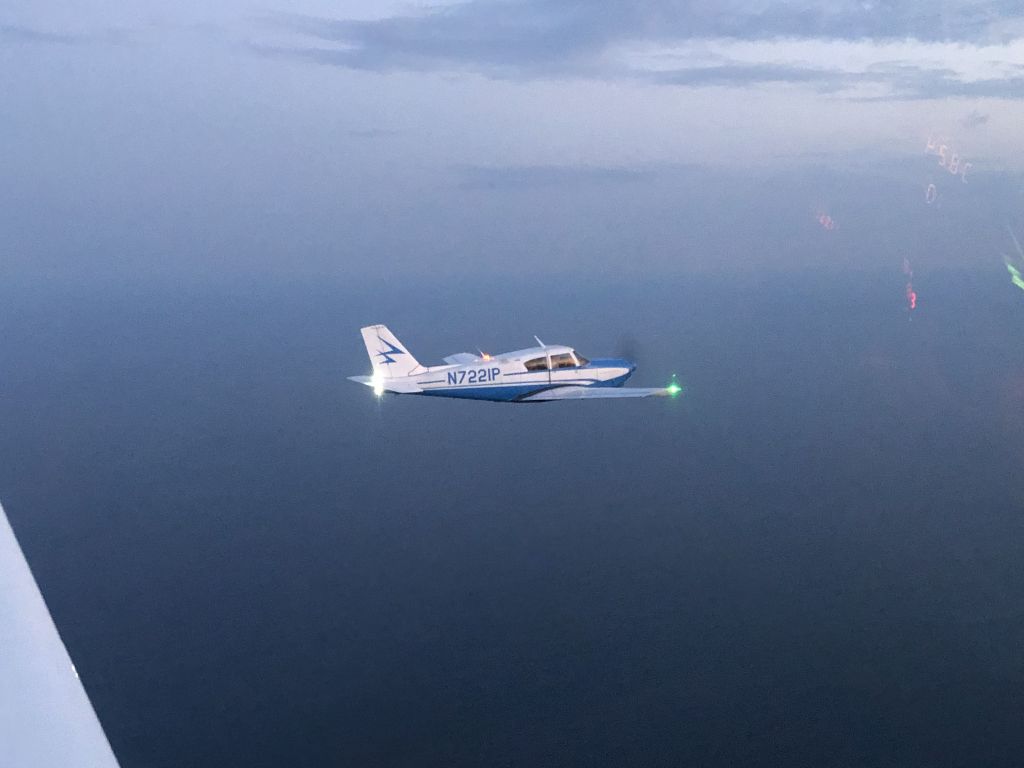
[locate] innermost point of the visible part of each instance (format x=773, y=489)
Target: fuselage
x=514, y=376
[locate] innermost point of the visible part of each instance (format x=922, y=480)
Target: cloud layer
x=866, y=50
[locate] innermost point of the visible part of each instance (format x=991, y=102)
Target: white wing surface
x=596, y=393
x=462, y=358
x=46, y=720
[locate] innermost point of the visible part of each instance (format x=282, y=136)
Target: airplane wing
x=462, y=358
x=46, y=719
x=596, y=393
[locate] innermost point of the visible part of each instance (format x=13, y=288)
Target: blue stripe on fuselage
x=511, y=392
x=504, y=393
x=501, y=394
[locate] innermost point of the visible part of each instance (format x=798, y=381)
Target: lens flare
x=1015, y=271
x=1015, y=275
x=910, y=292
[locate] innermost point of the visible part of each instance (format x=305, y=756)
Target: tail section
x=387, y=354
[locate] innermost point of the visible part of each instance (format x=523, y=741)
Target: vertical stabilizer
x=387, y=354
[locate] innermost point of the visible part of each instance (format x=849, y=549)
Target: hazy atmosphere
x=810, y=214
x=364, y=139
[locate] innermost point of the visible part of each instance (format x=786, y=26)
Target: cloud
x=897, y=49
x=974, y=118
x=913, y=83
x=500, y=38
x=749, y=74
x=14, y=34
x=546, y=176
x=563, y=33
x=889, y=81
x=371, y=133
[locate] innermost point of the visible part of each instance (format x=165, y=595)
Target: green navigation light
x=674, y=389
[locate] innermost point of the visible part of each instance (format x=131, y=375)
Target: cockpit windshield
x=564, y=360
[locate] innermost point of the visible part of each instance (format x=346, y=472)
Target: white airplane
x=536, y=374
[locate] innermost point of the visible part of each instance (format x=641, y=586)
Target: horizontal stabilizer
x=596, y=393
x=462, y=358
x=398, y=386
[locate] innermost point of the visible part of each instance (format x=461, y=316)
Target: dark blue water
x=812, y=558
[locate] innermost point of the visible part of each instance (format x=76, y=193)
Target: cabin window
x=580, y=359
x=537, y=364
x=564, y=360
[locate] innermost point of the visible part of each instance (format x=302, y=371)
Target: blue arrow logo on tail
x=387, y=354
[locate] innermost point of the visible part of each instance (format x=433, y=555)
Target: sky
x=373, y=138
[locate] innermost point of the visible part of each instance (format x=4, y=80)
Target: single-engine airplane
x=537, y=374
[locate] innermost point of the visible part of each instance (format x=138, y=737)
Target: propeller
x=628, y=348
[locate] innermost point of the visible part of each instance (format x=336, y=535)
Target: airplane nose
x=614, y=367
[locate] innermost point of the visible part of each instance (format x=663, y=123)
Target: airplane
x=536, y=374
